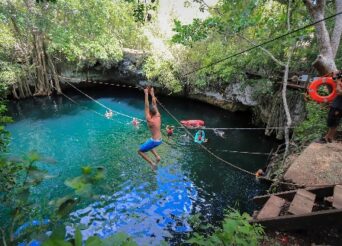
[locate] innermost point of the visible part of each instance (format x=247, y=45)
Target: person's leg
x=331, y=134
x=334, y=117
x=143, y=155
x=156, y=155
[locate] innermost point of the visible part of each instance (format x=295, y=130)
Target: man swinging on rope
x=153, y=119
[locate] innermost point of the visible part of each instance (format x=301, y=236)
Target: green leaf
x=58, y=233
x=33, y=156
x=100, y=174
x=119, y=238
x=93, y=241
x=78, y=237
x=65, y=205
x=23, y=194
x=80, y=186
x=86, y=170
x=56, y=242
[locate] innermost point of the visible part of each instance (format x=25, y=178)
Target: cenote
x=148, y=206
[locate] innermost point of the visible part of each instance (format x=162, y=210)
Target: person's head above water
x=153, y=110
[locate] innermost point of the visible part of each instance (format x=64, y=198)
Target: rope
x=237, y=128
x=237, y=167
x=205, y=128
x=244, y=152
x=102, y=105
x=94, y=111
x=262, y=44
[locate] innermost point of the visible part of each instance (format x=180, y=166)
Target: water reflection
x=148, y=216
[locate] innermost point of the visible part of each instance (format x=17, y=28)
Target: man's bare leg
x=156, y=155
x=331, y=134
x=143, y=155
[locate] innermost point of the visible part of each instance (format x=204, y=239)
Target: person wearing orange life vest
x=335, y=112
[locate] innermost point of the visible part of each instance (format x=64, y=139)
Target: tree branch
x=285, y=81
x=3, y=236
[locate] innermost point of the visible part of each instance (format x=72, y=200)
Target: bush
x=314, y=125
x=162, y=70
x=236, y=230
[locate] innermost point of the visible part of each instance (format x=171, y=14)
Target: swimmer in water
x=219, y=133
x=135, y=122
x=169, y=131
x=109, y=114
x=200, y=137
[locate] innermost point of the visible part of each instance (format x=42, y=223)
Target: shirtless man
x=153, y=122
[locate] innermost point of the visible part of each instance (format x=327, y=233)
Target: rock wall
x=128, y=71
x=267, y=107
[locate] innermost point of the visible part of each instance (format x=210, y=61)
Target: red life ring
x=313, y=87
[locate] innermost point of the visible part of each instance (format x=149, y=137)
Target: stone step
x=337, y=197
x=302, y=203
x=271, y=208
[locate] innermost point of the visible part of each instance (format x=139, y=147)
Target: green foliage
x=88, y=32
x=314, y=126
x=58, y=235
x=196, y=31
x=18, y=178
x=83, y=185
x=82, y=32
x=235, y=230
x=238, y=25
x=163, y=71
x=65, y=205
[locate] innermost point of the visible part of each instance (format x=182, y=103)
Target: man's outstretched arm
x=154, y=101
x=147, y=105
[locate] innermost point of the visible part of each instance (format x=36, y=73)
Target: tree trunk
x=336, y=35
x=14, y=92
x=54, y=74
x=325, y=62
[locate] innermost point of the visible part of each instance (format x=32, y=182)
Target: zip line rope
x=102, y=105
x=182, y=127
x=264, y=43
x=244, y=152
x=94, y=111
x=235, y=128
x=237, y=167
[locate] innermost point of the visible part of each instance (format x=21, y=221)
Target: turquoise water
x=149, y=206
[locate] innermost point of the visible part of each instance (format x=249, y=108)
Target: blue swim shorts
x=149, y=144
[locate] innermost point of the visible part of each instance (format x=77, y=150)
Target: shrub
x=236, y=230
x=314, y=125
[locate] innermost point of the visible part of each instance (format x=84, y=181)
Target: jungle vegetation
x=38, y=35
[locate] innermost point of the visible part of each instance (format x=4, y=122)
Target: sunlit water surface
x=148, y=206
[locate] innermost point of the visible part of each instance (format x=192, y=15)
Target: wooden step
x=337, y=197
x=271, y=208
x=302, y=202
